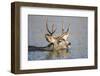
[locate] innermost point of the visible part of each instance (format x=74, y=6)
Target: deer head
x=58, y=41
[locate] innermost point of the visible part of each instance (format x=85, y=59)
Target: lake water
x=78, y=35
x=44, y=55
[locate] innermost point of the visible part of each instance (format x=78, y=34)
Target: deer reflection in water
x=59, y=44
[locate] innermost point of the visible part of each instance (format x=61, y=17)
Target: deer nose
x=69, y=43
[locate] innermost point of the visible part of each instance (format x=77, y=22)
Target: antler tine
x=68, y=28
x=48, y=28
x=62, y=25
x=53, y=30
x=62, y=28
x=52, y=27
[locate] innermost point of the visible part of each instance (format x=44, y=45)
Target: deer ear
x=65, y=37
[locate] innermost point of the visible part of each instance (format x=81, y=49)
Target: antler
x=68, y=28
x=47, y=28
x=64, y=34
x=63, y=28
x=53, y=30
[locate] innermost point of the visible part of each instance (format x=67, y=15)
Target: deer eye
x=59, y=41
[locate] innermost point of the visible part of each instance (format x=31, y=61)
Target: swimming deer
x=60, y=43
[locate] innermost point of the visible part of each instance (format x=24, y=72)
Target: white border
x=25, y=64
